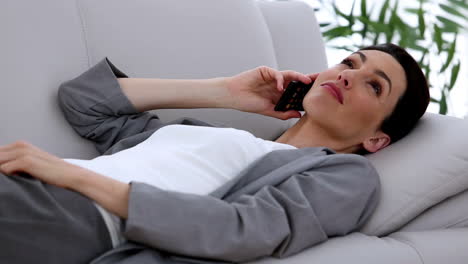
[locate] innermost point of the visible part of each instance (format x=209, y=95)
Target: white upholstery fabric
x=427, y=247
x=424, y=168
x=42, y=46
x=355, y=248
x=451, y=213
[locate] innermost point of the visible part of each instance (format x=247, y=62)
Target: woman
x=273, y=198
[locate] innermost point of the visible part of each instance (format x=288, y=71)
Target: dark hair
x=414, y=101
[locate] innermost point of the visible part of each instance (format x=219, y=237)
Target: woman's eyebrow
x=378, y=72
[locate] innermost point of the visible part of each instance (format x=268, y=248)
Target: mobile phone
x=293, y=95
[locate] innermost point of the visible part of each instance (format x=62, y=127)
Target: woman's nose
x=344, y=80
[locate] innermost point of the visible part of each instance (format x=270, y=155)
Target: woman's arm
x=107, y=192
x=150, y=93
x=24, y=157
x=256, y=91
x=100, y=110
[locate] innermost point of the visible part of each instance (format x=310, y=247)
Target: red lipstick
x=334, y=90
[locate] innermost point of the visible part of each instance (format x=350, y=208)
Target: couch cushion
x=451, y=213
x=417, y=172
x=355, y=248
x=146, y=38
x=427, y=247
x=303, y=37
x=184, y=40
x=41, y=46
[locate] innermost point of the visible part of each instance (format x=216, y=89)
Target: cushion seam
x=457, y=222
x=82, y=24
x=408, y=243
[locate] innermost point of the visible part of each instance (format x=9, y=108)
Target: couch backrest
x=47, y=42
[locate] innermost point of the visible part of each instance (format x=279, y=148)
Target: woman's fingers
x=284, y=77
x=273, y=75
x=313, y=76
x=15, y=165
x=293, y=75
x=18, y=145
x=7, y=147
x=283, y=115
x=17, y=156
x=14, y=153
x=279, y=81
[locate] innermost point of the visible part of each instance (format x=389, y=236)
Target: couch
x=422, y=216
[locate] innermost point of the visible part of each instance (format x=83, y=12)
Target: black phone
x=293, y=95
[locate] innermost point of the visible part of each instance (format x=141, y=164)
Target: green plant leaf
x=443, y=104
x=393, y=17
x=461, y=3
x=421, y=22
x=438, y=38
x=451, y=10
x=343, y=15
x=424, y=53
x=352, y=12
x=340, y=31
x=364, y=30
x=454, y=75
x=434, y=100
x=378, y=27
x=450, y=53
x=427, y=71
x=413, y=45
x=408, y=34
x=364, y=8
x=324, y=24
x=381, y=21
x=449, y=25
x=383, y=11
x=363, y=19
x=412, y=10
x=347, y=48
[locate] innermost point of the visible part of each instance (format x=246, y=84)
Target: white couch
x=423, y=213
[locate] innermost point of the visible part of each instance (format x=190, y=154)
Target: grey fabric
x=41, y=223
x=287, y=201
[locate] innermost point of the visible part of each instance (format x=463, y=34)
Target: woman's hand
x=21, y=156
x=24, y=157
x=259, y=90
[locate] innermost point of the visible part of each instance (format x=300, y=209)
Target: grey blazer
x=285, y=202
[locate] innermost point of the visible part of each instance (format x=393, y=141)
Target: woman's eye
x=348, y=63
x=376, y=87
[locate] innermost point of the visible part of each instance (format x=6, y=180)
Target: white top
x=184, y=158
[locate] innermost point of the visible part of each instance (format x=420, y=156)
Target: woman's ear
x=379, y=141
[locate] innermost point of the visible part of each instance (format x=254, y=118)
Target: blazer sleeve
x=333, y=199
x=96, y=107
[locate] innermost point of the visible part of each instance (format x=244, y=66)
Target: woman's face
x=351, y=99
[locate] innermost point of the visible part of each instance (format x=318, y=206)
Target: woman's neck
x=307, y=133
